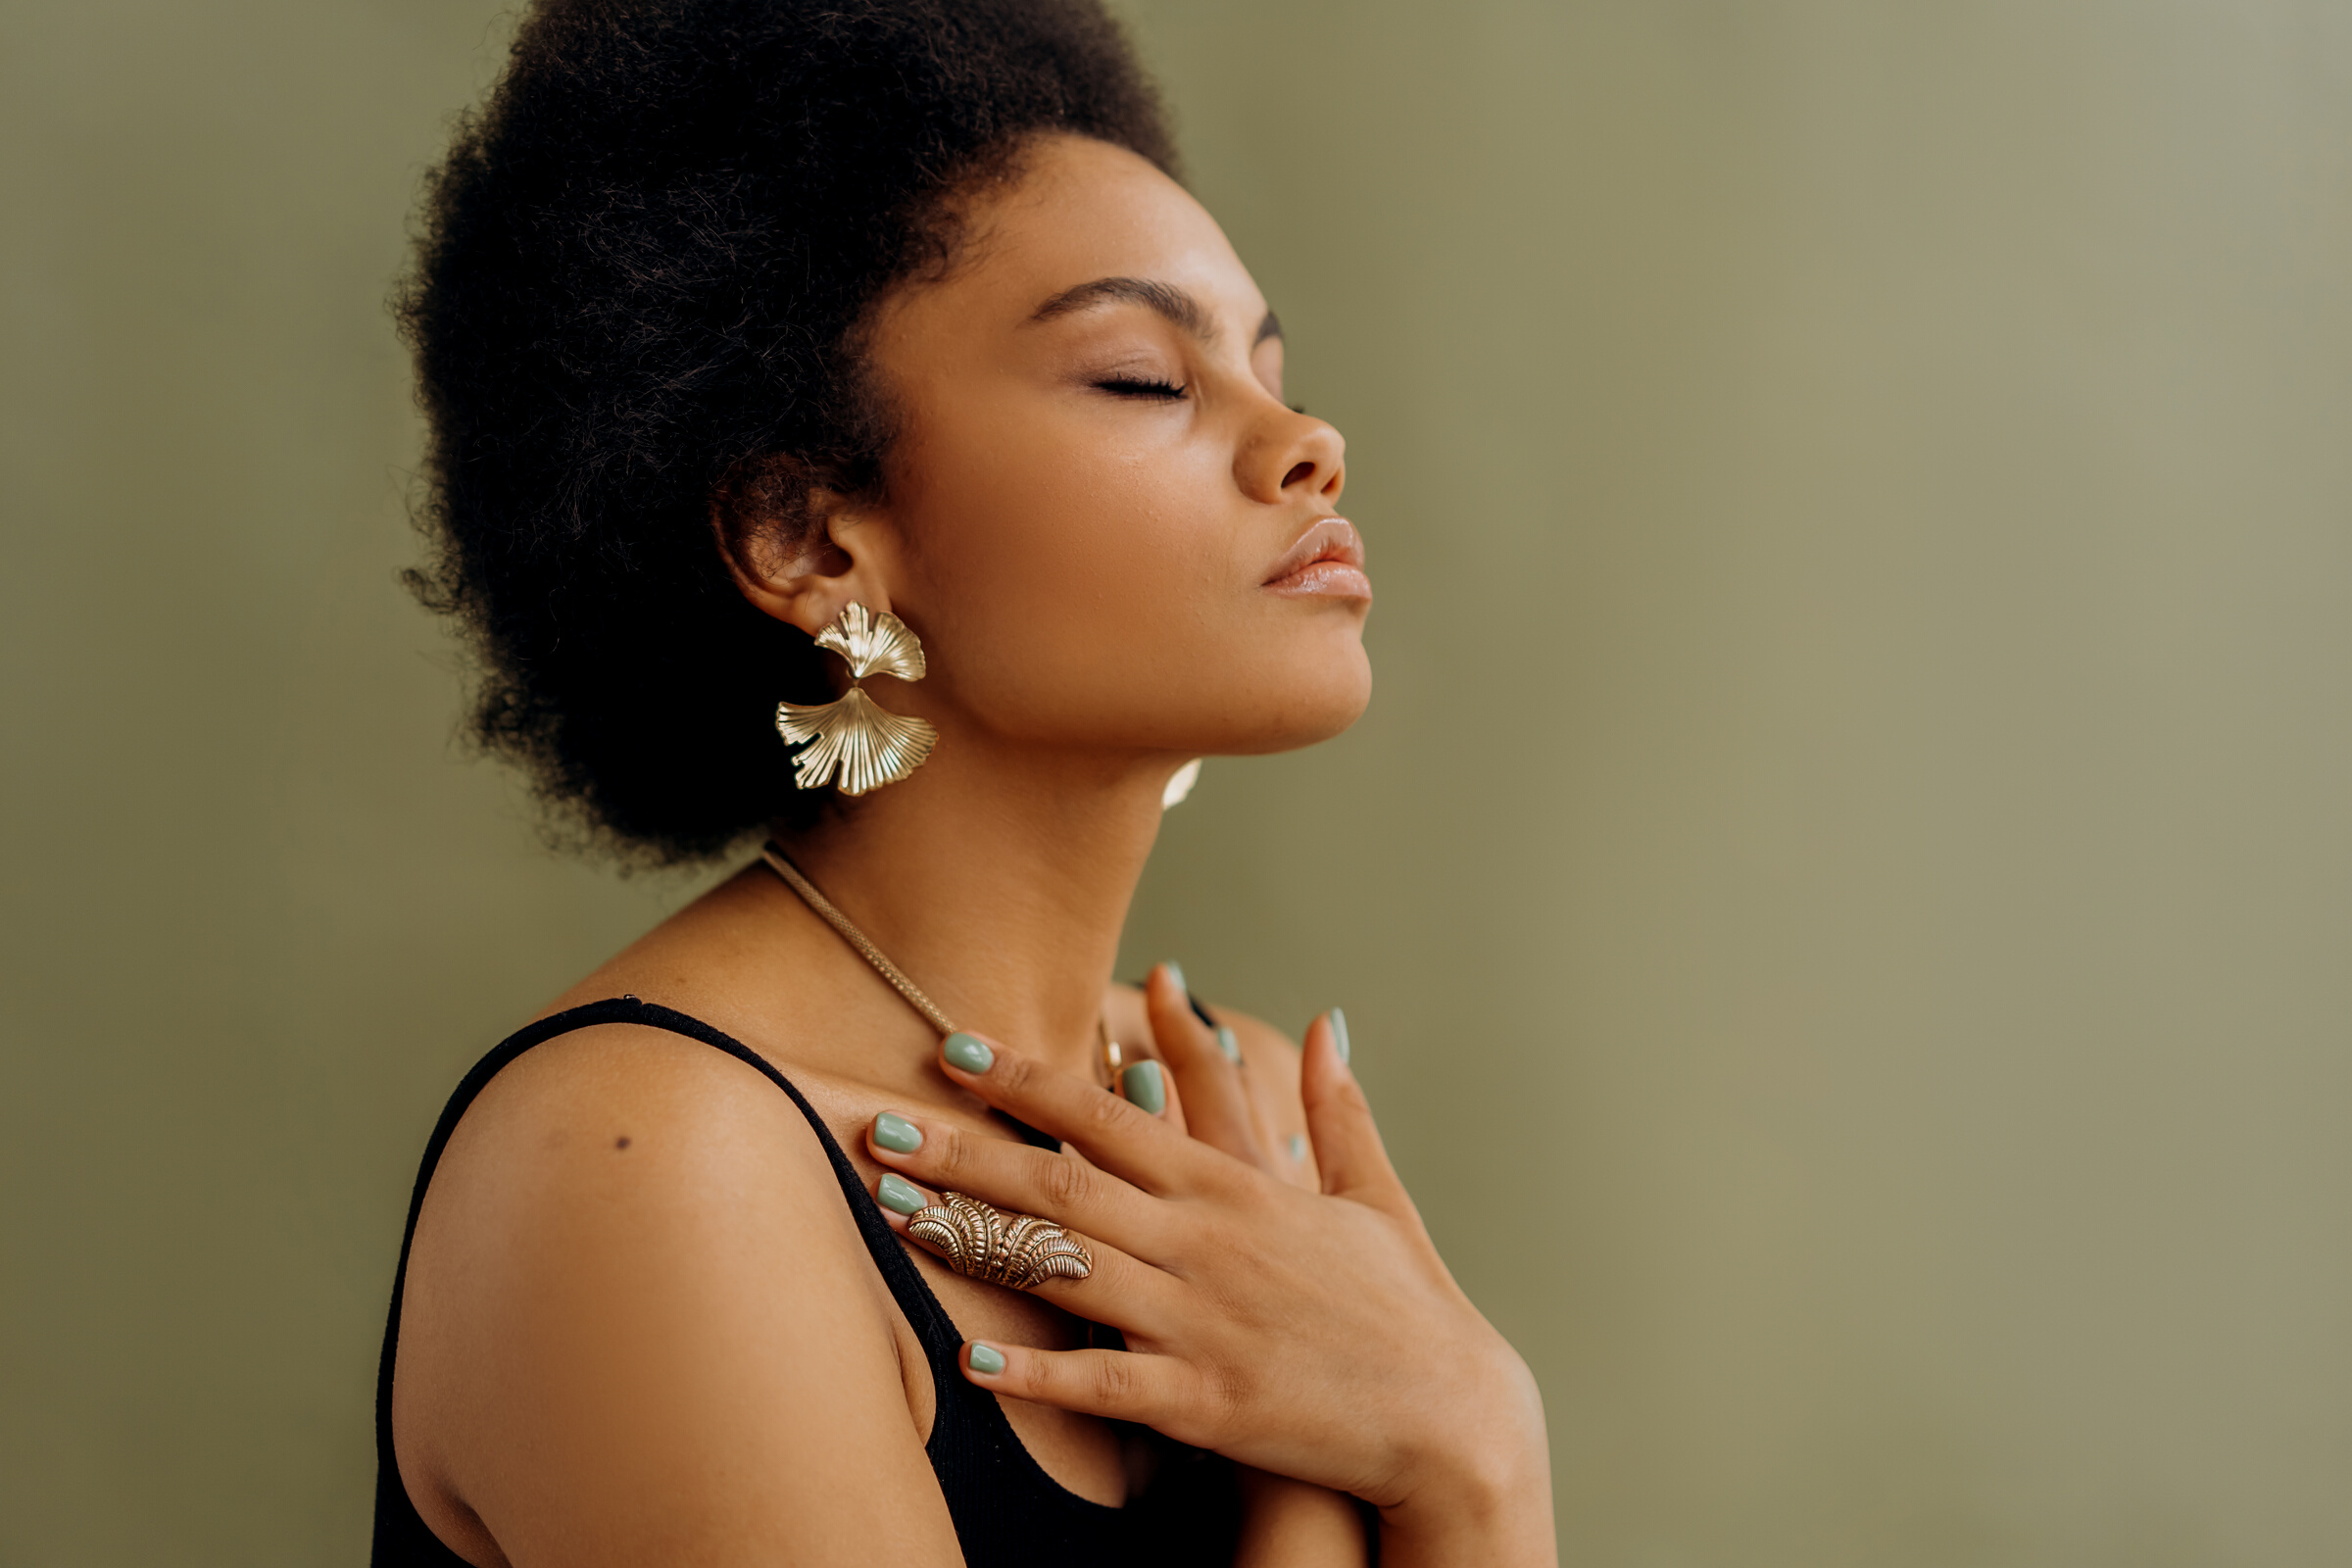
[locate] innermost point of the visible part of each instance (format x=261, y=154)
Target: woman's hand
x=1315, y=1333
x=1235, y=1094
x=1244, y=1084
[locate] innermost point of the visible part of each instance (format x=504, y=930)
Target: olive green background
x=1844, y=892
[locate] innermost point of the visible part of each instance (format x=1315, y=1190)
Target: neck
x=997, y=878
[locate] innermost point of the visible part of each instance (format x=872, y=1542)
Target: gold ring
x=984, y=1242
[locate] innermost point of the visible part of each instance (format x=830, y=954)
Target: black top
x=1006, y=1509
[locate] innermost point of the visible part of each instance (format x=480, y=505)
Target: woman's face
x=1102, y=519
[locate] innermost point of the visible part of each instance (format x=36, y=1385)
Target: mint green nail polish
x=1297, y=1148
x=897, y=1133
x=1339, y=1032
x=968, y=1052
x=1226, y=1043
x=1176, y=973
x=1147, y=1091
x=987, y=1360
x=899, y=1195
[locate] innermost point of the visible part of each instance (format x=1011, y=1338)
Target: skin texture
x=633, y=1274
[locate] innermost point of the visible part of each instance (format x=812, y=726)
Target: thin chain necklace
x=899, y=982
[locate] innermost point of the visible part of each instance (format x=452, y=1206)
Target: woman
x=859, y=372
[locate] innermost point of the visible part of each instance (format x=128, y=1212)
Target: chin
x=1314, y=706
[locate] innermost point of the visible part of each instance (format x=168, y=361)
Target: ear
x=797, y=550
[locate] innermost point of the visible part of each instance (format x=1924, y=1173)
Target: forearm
x=1295, y=1524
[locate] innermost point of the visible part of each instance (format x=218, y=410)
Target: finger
x=1216, y=1101
x=1150, y=1087
x=1154, y=1390
x=1117, y=1136
x=1066, y=1190
x=1059, y=1185
x=1339, y=1120
x=1122, y=1291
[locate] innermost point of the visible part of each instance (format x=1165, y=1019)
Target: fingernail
x=899, y=1195
x=1147, y=1091
x=968, y=1052
x=897, y=1133
x=1339, y=1032
x=987, y=1360
x=1176, y=973
x=1298, y=1150
x=1229, y=1045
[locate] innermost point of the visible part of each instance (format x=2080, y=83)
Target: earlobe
x=783, y=542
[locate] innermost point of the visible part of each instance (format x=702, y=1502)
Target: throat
x=992, y=909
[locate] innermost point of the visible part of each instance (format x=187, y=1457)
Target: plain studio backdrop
x=1843, y=892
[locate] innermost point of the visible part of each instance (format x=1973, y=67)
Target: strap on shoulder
x=924, y=1314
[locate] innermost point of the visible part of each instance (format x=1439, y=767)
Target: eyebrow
x=1166, y=299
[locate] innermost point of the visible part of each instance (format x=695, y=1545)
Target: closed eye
x=1127, y=386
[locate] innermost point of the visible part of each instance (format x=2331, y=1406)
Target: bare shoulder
x=633, y=1276
x=628, y=1136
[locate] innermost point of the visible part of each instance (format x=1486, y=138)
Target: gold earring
x=868, y=745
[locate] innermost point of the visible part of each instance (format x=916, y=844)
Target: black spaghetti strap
x=928, y=1318
x=1006, y=1509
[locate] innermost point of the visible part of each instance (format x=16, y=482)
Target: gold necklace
x=899, y=982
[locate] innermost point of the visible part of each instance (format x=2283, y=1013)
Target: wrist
x=1482, y=1493
x=1505, y=1521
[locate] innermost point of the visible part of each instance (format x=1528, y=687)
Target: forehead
x=1081, y=210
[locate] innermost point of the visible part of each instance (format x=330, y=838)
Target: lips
x=1328, y=558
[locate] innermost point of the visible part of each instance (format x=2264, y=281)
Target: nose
x=1290, y=456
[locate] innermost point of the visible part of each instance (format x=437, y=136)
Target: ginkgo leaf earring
x=865, y=743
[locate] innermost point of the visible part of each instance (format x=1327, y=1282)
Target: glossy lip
x=1328, y=558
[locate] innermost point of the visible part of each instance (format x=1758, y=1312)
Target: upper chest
x=1087, y=1456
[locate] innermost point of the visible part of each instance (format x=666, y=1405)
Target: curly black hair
x=640, y=285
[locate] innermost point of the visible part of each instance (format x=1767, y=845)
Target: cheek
x=1083, y=586
x=1067, y=576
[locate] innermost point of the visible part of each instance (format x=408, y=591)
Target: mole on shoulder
x=620, y=1141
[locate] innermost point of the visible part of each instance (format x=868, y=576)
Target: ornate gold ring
x=984, y=1242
